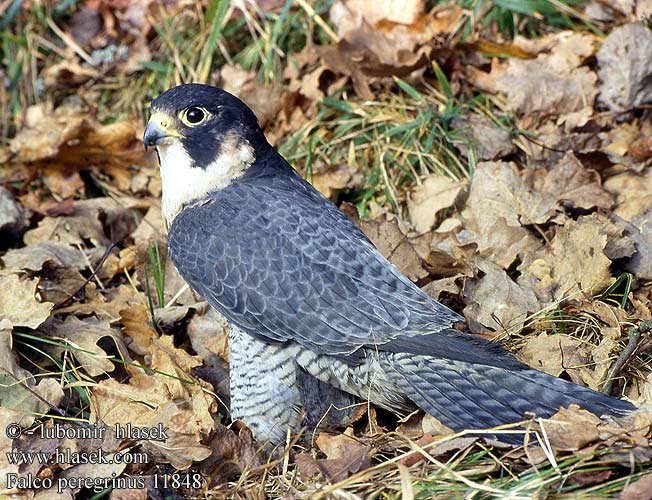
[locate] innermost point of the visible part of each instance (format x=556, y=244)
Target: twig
x=90, y=278
x=628, y=352
x=319, y=20
x=70, y=42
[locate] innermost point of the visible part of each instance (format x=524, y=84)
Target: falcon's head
x=205, y=138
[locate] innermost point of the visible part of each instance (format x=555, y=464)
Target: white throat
x=184, y=183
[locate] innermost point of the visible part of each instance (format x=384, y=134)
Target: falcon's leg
x=271, y=393
x=264, y=392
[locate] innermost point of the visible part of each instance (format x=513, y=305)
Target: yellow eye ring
x=193, y=116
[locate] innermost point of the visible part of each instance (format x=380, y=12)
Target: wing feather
x=285, y=264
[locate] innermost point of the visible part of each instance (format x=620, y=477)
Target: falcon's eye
x=193, y=116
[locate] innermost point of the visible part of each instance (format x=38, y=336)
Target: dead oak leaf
x=64, y=180
x=347, y=15
x=498, y=188
x=436, y=193
x=640, y=263
x=136, y=325
x=83, y=335
x=33, y=257
x=18, y=302
x=58, y=283
x=572, y=184
x=103, y=304
x=486, y=139
x=633, y=193
x=45, y=131
x=345, y=456
x=19, y=392
x=498, y=205
x=83, y=224
x=496, y=301
x=232, y=454
x=145, y=402
x=170, y=396
x=207, y=332
x=624, y=60
x=579, y=263
x=330, y=179
x=640, y=489
x=554, y=80
x=437, y=451
x=555, y=354
x=263, y=99
x=572, y=429
x=602, y=355
x=375, y=41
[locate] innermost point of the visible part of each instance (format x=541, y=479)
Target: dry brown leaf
x=576, y=264
x=104, y=305
x=19, y=393
x=633, y=192
x=496, y=301
x=554, y=82
x=83, y=336
x=63, y=180
x=572, y=429
x=553, y=139
x=136, y=325
x=18, y=302
x=232, y=454
x=625, y=59
x=579, y=263
x=151, y=227
x=641, y=262
x=435, y=194
x=641, y=149
x=45, y=131
x=264, y=99
x=208, y=335
x=374, y=44
x=620, y=138
x=555, y=354
x=572, y=184
x=58, y=284
x=347, y=15
x=33, y=257
x=68, y=138
x=497, y=188
x=345, y=456
x=609, y=314
x=445, y=285
x=67, y=73
x=487, y=140
x=498, y=205
x=438, y=450
x=330, y=179
x=185, y=408
x=83, y=224
x=640, y=489
x=603, y=357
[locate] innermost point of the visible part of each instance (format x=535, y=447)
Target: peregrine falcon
x=318, y=317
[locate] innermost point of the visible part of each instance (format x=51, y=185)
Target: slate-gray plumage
x=315, y=309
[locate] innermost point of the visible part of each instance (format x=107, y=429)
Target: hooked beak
x=154, y=134
x=157, y=130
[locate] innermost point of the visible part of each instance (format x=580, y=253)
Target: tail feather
x=471, y=396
